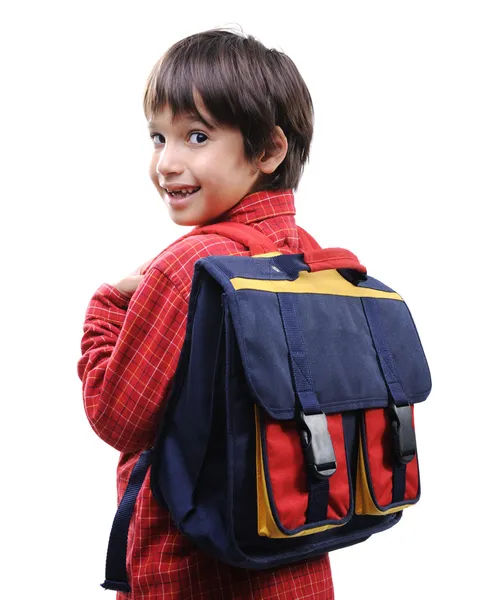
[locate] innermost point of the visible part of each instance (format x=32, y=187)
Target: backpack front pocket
x=388, y=473
x=286, y=485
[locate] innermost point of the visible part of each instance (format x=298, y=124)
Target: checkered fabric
x=130, y=350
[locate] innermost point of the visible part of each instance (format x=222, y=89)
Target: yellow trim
x=267, y=255
x=364, y=504
x=266, y=524
x=320, y=282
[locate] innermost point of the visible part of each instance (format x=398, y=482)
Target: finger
x=133, y=281
x=146, y=265
x=129, y=284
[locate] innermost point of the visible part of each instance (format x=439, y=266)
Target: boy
x=231, y=124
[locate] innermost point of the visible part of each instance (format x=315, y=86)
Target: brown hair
x=244, y=84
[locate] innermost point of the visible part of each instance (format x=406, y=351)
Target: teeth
x=182, y=192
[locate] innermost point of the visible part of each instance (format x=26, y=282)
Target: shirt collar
x=260, y=206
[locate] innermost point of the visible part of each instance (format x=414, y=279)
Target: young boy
x=231, y=124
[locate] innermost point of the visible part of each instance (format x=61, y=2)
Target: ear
x=274, y=156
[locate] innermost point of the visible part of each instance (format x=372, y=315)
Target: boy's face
x=208, y=164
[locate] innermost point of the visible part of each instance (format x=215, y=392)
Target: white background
x=402, y=172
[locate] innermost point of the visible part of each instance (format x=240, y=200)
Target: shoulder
x=177, y=262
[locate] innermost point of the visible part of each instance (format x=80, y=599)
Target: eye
x=154, y=135
x=199, y=133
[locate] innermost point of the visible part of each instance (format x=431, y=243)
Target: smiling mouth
x=181, y=194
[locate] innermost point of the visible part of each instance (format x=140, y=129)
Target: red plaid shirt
x=130, y=350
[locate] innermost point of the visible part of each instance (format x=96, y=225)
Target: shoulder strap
x=257, y=243
x=116, y=577
x=309, y=244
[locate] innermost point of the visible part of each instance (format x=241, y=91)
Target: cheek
x=152, y=170
x=207, y=168
x=242, y=166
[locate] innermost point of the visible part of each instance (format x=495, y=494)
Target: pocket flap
x=329, y=313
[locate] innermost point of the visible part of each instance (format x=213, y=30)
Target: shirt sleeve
x=130, y=350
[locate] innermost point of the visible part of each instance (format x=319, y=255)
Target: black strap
x=398, y=483
x=115, y=569
x=403, y=437
x=316, y=440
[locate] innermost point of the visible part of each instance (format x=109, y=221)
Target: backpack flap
x=325, y=354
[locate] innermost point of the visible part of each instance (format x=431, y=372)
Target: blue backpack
x=289, y=428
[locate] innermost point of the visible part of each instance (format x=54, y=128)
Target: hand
x=129, y=284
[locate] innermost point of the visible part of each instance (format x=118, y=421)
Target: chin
x=184, y=220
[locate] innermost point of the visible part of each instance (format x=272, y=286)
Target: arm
x=130, y=350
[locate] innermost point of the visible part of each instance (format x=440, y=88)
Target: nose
x=169, y=162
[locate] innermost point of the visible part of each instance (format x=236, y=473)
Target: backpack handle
x=319, y=258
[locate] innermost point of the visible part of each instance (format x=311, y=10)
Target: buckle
x=404, y=438
x=317, y=445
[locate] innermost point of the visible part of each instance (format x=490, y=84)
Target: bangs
x=185, y=84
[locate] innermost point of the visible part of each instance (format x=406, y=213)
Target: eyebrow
x=193, y=118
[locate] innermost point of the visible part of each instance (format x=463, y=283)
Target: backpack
x=289, y=428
